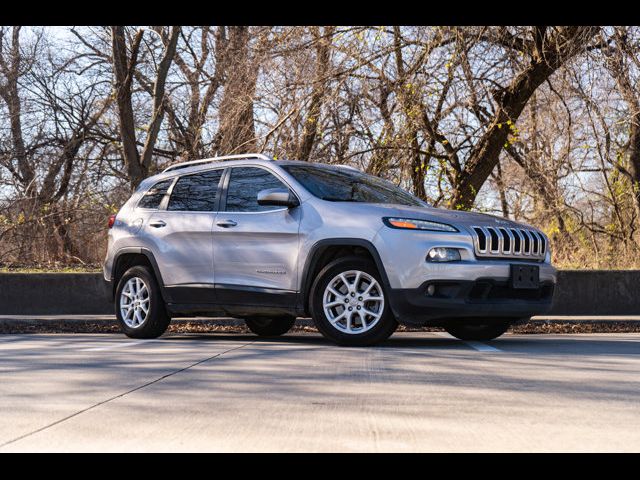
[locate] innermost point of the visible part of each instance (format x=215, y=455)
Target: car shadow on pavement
x=538, y=344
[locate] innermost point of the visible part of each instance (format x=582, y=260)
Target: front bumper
x=482, y=297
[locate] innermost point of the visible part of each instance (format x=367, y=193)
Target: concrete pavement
x=416, y=392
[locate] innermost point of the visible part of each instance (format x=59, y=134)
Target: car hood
x=454, y=217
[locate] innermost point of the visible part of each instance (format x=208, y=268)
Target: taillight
x=112, y=220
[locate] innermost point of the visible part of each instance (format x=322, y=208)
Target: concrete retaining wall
x=597, y=292
x=53, y=294
x=579, y=292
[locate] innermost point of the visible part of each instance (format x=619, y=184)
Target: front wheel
x=270, y=327
x=349, y=304
x=477, y=329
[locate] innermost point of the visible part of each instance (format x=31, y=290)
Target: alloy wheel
x=134, y=302
x=353, y=302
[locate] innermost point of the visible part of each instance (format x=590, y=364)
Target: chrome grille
x=507, y=242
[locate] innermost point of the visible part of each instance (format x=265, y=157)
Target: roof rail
x=178, y=166
x=348, y=167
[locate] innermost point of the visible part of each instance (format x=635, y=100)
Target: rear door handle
x=226, y=223
x=157, y=224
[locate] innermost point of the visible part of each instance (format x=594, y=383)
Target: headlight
x=442, y=254
x=414, y=224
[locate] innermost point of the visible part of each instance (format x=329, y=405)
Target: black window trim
x=221, y=200
x=225, y=185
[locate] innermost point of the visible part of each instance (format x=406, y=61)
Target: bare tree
x=43, y=161
x=124, y=65
x=538, y=123
x=548, y=50
x=621, y=60
x=14, y=65
x=236, y=131
x=200, y=59
x=322, y=39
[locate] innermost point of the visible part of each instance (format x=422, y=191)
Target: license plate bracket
x=524, y=276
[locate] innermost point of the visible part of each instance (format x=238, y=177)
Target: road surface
x=417, y=392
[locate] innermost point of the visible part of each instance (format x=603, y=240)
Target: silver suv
x=268, y=241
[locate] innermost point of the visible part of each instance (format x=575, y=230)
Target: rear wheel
x=270, y=327
x=349, y=305
x=140, y=309
x=477, y=329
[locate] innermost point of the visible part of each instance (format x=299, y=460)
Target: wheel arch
x=128, y=257
x=324, y=251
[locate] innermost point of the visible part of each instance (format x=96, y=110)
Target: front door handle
x=157, y=224
x=226, y=223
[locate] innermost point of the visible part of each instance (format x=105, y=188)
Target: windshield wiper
x=338, y=199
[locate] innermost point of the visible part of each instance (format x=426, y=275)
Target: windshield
x=345, y=185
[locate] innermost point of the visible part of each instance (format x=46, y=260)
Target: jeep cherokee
x=268, y=241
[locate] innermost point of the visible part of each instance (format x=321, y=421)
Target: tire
x=356, y=327
x=156, y=320
x=270, y=327
x=477, y=330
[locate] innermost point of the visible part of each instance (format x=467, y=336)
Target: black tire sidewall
x=270, y=327
x=477, y=330
x=380, y=332
x=157, y=318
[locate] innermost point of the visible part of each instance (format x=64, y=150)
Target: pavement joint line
x=479, y=346
x=120, y=395
x=117, y=345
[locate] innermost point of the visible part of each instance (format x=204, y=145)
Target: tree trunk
x=236, y=133
x=504, y=204
x=510, y=103
x=158, y=99
x=319, y=91
x=409, y=104
x=417, y=166
x=10, y=95
x=123, y=70
x=634, y=160
x=138, y=164
x=620, y=72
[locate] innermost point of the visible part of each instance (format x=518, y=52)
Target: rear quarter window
x=153, y=197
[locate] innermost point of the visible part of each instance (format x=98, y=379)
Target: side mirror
x=278, y=197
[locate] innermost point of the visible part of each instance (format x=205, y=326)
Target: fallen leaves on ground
x=203, y=326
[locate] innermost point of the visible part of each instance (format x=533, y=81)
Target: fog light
x=431, y=290
x=442, y=254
